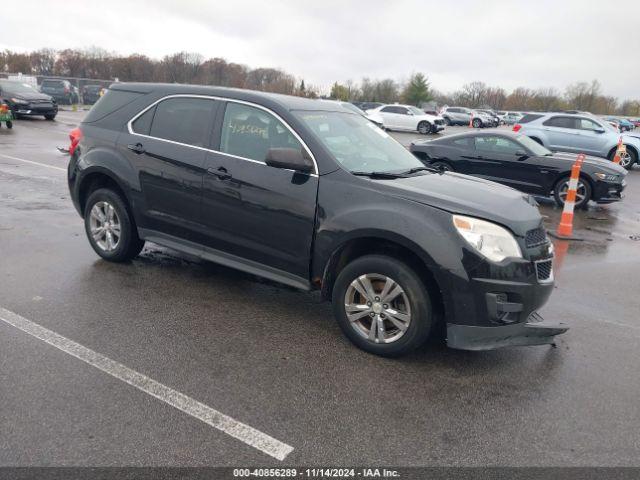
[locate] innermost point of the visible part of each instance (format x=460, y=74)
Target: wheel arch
x=383, y=244
x=99, y=177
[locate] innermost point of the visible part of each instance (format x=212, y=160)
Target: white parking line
x=182, y=402
x=32, y=162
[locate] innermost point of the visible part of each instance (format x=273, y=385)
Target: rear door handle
x=221, y=173
x=136, y=148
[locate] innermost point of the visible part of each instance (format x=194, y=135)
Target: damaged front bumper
x=535, y=331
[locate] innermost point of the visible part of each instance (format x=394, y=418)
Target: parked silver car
x=573, y=133
x=462, y=116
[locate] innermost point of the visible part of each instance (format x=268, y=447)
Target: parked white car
x=408, y=118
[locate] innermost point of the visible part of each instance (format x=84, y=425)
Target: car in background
x=511, y=118
x=62, y=90
x=376, y=119
x=624, y=124
x=462, y=116
x=493, y=115
x=24, y=100
x=574, y=133
x=364, y=106
x=91, y=94
x=407, y=118
x=519, y=162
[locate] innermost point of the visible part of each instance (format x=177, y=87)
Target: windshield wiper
x=382, y=175
x=420, y=169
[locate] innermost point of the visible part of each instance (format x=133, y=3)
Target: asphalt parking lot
x=272, y=358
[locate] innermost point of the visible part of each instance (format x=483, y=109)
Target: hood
x=30, y=96
x=600, y=163
x=475, y=197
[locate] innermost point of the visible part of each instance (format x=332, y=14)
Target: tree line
x=186, y=67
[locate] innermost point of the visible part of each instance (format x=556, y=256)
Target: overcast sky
x=506, y=43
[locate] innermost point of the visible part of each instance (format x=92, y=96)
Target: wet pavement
x=273, y=357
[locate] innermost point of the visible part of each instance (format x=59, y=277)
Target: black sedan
x=519, y=162
x=25, y=100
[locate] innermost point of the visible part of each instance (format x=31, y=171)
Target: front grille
x=544, y=269
x=535, y=237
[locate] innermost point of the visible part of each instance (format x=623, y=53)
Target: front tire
x=477, y=123
x=9, y=124
x=50, y=117
x=424, y=128
x=583, y=192
x=382, y=306
x=627, y=160
x=109, y=227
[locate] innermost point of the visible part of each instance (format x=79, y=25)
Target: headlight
x=20, y=101
x=606, y=177
x=491, y=240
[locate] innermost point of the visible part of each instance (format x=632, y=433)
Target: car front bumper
x=606, y=192
x=491, y=305
x=35, y=109
x=535, y=331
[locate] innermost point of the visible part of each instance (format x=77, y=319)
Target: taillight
x=75, y=136
x=517, y=127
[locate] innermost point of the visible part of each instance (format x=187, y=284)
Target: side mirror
x=409, y=112
x=522, y=155
x=289, y=158
x=598, y=130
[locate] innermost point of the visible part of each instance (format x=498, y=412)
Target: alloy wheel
x=625, y=159
x=105, y=226
x=581, y=192
x=377, y=308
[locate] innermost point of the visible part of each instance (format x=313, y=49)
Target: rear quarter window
x=110, y=102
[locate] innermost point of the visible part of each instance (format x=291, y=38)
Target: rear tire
x=584, y=190
x=9, y=124
x=447, y=120
x=381, y=322
x=105, y=210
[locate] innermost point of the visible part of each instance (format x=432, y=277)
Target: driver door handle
x=136, y=148
x=221, y=173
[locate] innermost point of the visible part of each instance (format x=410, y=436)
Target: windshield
x=357, y=144
x=534, y=146
x=416, y=111
x=16, y=87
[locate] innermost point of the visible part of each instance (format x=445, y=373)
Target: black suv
x=311, y=195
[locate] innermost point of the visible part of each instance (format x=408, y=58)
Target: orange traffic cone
x=565, y=228
x=471, y=121
x=616, y=157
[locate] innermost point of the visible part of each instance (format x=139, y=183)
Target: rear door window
x=499, y=145
x=561, y=122
x=183, y=120
x=529, y=117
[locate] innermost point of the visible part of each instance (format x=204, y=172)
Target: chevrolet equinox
x=314, y=196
